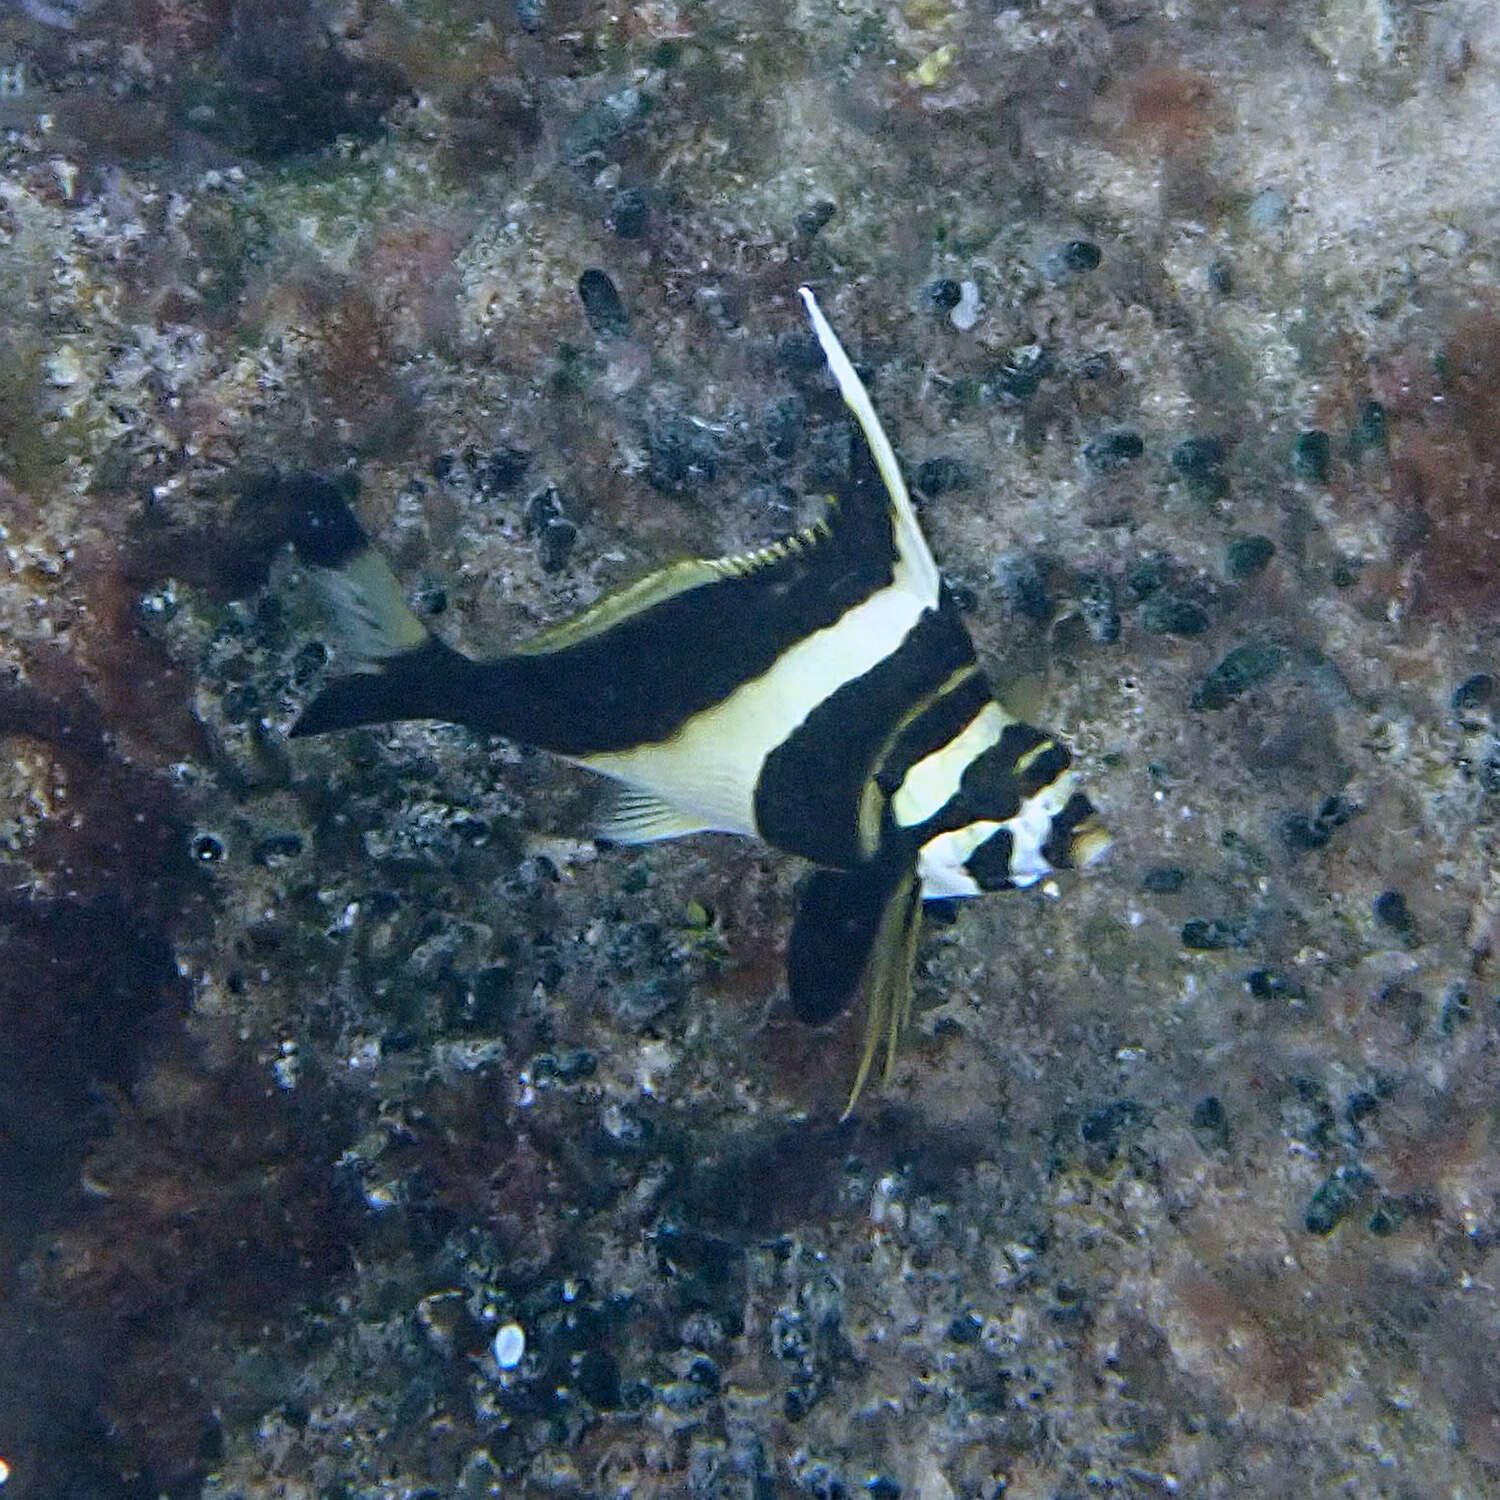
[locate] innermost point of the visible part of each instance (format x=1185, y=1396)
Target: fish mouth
x=1088, y=844
x=1077, y=838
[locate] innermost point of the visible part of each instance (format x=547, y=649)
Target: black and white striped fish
x=821, y=693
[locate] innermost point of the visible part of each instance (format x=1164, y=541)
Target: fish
x=821, y=693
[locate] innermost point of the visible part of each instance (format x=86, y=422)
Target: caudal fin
x=395, y=668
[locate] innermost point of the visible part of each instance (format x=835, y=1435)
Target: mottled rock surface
x=323, y=1063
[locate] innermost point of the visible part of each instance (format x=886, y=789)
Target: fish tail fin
x=395, y=668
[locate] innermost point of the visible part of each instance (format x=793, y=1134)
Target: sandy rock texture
x=367, y=1131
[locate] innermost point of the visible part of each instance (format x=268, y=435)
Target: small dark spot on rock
x=531, y=15
x=1245, y=556
x=1392, y=911
x=1370, y=431
x=1471, y=695
x=1211, y=1124
x=938, y=476
x=1303, y=833
x=943, y=295
x=1213, y=934
x=207, y=848
x=310, y=659
x=813, y=218
x=1171, y=614
x=1147, y=574
x=629, y=214
x=1312, y=454
x=1267, y=984
x=782, y=421
x=1243, y=668
x=1102, y=1128
x=681, y=453
x=567, y=1067
x=542, y=518
x=1388, y=1215
x=277, y=849
x=1019, y=579
x=799, y=351
x=1338, y=1196
x=965, y=1329
x=502, y=469
x=1111, y=451
x=1221, y=277
x=1071, y=258
x=1016, y=380
x=1164, y=879
x=1096, y=604
x=1456, y=1010
x=1196, y=457
x=1406, y=1004
x=596, y=1377
x=1360, y=1105
x=601, y=303
x=321, y=524
x=1097, y=366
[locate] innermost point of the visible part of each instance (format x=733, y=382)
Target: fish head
x=1056, y=828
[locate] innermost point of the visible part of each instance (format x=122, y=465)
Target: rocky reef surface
x=366, y=1131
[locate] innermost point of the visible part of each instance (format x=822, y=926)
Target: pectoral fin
x=851, y=924
x=639, y=818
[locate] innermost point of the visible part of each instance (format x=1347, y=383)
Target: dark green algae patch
x=1236, y=673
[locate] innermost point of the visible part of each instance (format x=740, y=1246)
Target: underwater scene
x=749, y=751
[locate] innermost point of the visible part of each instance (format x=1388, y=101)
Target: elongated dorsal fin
x=910, y=543
x=915, y=570
x=666, y=583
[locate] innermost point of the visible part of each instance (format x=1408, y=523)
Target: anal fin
x=641, y=818
x=850, y=925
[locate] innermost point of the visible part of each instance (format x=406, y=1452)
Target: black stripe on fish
x=989, y=864
x=1058, y=848
x=1017, y=741
x=640, y=680
x=812, y=788
x=1043, y=769
x=936, y=724
x=643, y=679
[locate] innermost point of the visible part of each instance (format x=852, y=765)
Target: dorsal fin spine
x=910, y=542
